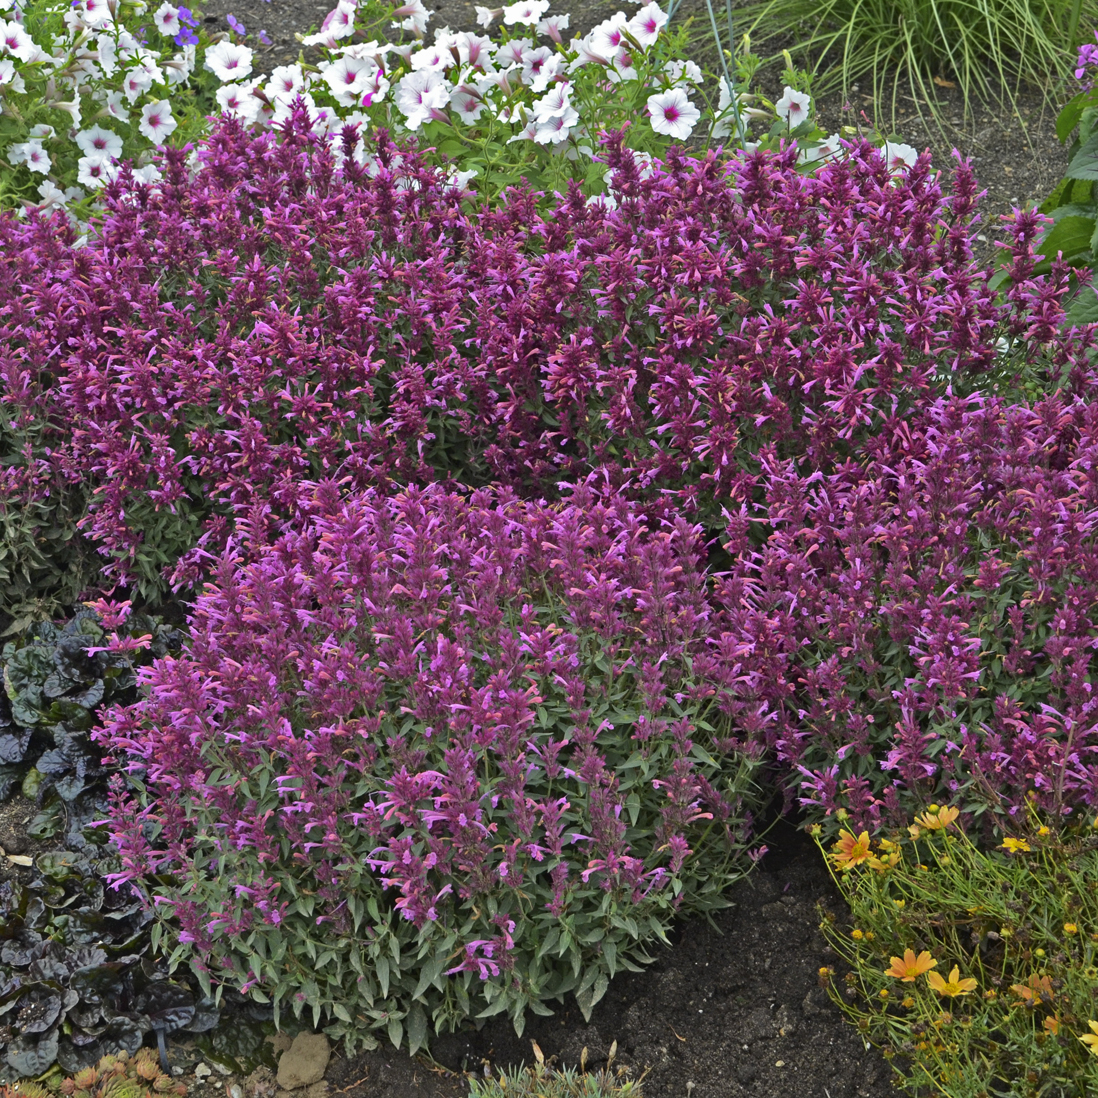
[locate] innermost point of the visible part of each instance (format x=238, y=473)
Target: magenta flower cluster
x=531, y=535
x=477, y=715
x=271, y=321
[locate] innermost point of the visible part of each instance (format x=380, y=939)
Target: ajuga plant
x=293, y=309
x=434, y=756
x=56, y=676
x=79, y=979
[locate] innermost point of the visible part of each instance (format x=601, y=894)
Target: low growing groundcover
x=520, y=560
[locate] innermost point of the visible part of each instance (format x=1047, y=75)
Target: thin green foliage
x=975, y=970
x=988, y=48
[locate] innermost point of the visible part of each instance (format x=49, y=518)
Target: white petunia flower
x=417, y=16
x=157, y=121
x=468, y=103
x=476, y=51
x=107, y=50
x=95, y=13
x=586, y=54
x=376, y=90
x=899, y=157
x=556, y=129
x=646, y=25
x=340, y=21
x=15, y=40
x=229, y=61
x=112, y=104
x=167, y=21
x=513, y=52
x=150, y=174
x=32, y=154
x=138, y=81
x=53, y=198
x=487, y=16
x=793, y=106
x=285, y=82
x=9, y=78
x=622, y=67
x=532, y=63
x=348, y=78
x=828, y=149
x=98, y=139
x=725, y=125
x=238, y=101
x=418, y=93
x=525, y=13
x=527, y=133
x=684, y=70
x=673, y=114
x=607, y=38
x=436, y=58
x=41, y=132
x=553, y=105
x=553, y=25
x=178, y=68
x=95, y=171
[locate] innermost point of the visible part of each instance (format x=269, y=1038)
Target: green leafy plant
x=928, y=42
x=1073, y=205
x=974, y=969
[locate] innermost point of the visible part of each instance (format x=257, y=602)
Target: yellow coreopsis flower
x=850, y=851
x=935, y=818
x=1015, y=846
x=952, y=987
x=1037, y=989
x=1091, y=1039
x=909, y=966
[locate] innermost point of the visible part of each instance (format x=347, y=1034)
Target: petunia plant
x=84, y=85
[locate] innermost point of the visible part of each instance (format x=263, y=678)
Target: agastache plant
x=217, y=355
x=398, y=773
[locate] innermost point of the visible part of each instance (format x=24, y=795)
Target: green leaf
x=1084, y=164
x=417, y=1028
x=1070, y=236
x=1068, y=118
x=430, y=974
x=395, y=1031
x=382, y=965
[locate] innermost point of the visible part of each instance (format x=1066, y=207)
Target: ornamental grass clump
x=277, y=315
x=973, y=968
x=434, y=756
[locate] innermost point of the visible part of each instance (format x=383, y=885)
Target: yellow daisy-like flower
x=909, y=966
x=1015, y=846
x=883, y=865
x=850, y=851
x=1091, y=1039
x=952, y=987
x=935, y=818
x=1070, y=928
x=1037, y=989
